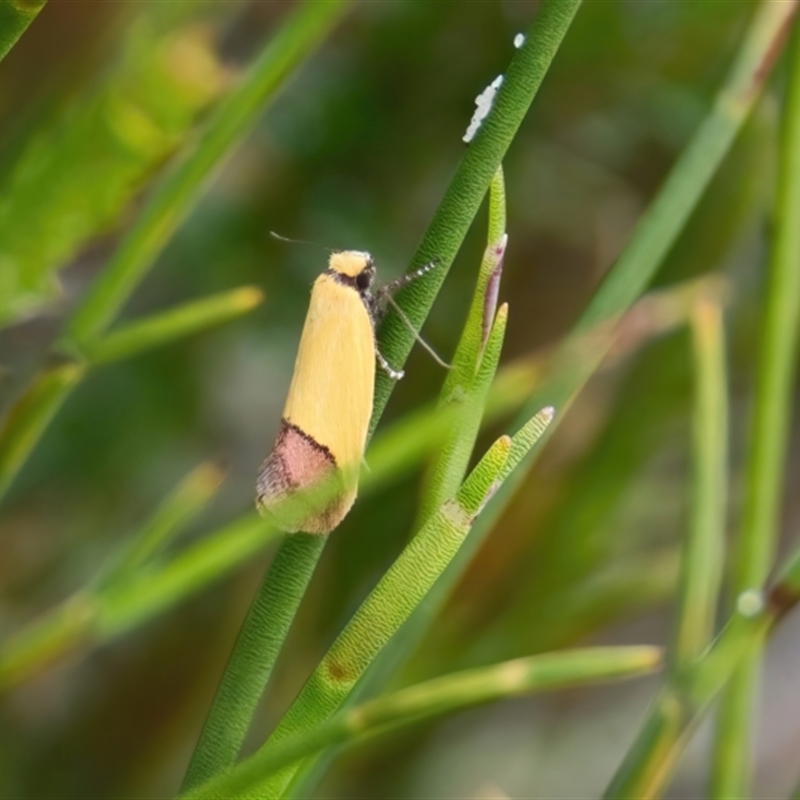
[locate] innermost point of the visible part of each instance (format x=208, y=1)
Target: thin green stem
x=27, y=419
x=466, y=191
x=106, y=609
x=464, y=195
x=15, y=16
x=399, y=447
x=666, y=216
x=701, y=570
x=687, y=697
x=159, y=329
x=755, y=548
x=398, y=593
x=250, y=665
x=658, y=745
x=92, y=614
x=661, y=224
x=777, y=354
x=127, y=604
x=462, y=399
x=444, y=695
x=189, y=498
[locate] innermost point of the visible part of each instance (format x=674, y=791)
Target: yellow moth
x=323, y=430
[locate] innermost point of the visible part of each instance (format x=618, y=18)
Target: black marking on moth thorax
x=345, y=280
x=361, y=285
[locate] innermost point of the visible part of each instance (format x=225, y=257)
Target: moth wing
x=328, y=408
x=331, y=394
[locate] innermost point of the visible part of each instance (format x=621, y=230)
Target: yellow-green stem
x=754, y=550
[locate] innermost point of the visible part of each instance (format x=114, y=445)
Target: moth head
x=356, y=265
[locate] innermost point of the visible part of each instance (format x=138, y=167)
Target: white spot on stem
x=519, y=40
x=483, y=105
x=750, y=603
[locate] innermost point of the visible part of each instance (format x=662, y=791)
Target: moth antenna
x=411, y=328
x=286, y=239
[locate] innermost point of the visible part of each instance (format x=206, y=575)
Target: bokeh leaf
x=75, y=177
x=15, y=16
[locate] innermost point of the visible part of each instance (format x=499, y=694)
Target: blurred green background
x=355, y=152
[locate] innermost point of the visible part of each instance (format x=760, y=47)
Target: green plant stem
x=129, y=603
x=703, y=554
x=655, y=751
x=466, y=191
x=176, y=323
x=443, y=695
x=384, y=610
x=661, y=224
x=105, y=610
x=686, y=698
x=666, y=216
x=772, y=409
x=462, y=399
x=399, y=592
x=188, y=499
x=30, y=415
x=15, y=16
x=251, y=663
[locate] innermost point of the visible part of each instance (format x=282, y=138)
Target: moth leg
x=386, y=367
x=383, y=298
x=410, y=325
